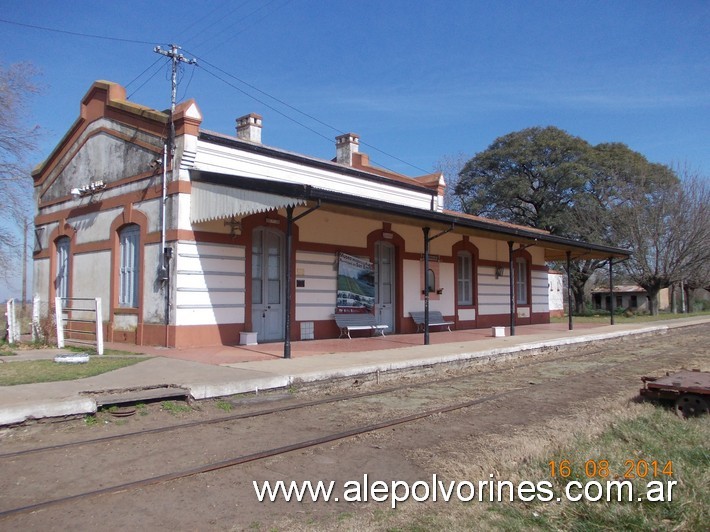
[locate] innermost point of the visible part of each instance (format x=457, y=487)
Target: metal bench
x=435, y=319
x=358, y=322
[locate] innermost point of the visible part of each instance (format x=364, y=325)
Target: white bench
x=435, y=319
x=358, y=322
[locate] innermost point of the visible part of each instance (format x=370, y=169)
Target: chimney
x=249, y=128
x=345, y=146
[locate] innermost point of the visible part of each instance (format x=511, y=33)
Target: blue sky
x=417, y=80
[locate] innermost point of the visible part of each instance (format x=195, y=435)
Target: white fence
x=67, y=314
x=13, y=326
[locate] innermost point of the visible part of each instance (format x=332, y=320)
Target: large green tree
x=549, y=179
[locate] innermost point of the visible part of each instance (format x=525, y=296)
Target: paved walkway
x=214, y=372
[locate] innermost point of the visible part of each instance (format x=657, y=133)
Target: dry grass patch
x=627, y=431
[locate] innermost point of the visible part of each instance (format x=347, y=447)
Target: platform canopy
x=216, y=202
x=290, y=194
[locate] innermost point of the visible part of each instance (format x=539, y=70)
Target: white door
x=267, y=284
x=384, y=284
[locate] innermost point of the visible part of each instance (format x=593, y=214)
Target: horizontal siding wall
x=210, y=284
x=316, y=299
x=540, y=292
x=493, y=294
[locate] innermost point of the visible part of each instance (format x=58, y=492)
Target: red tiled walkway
x=269, y=351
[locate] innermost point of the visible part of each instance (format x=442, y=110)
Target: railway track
x=603, y=362
x=289, y=407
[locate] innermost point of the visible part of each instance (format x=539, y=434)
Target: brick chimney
x=345, y=146
x=249, y=127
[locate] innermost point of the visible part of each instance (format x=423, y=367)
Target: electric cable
x=165, y=61
x=203, y=61
x=77, y=34
x=146, y=70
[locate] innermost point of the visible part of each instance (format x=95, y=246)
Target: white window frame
x=464, y=278
x=61, y=281
x=521, y=281
x=129, y=266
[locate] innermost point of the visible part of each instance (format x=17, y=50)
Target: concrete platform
x=179, y=371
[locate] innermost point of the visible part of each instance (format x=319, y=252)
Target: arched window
x=61, y=280
x=464, y=278
x=129, y=267
x=430, y=281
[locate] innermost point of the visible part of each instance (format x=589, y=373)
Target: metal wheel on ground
x=689, y=405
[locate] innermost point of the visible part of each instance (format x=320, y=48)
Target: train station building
x=231, y=236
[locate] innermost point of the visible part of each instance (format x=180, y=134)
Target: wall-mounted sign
x=356, y=284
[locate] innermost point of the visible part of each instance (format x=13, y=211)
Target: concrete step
x=138, y=395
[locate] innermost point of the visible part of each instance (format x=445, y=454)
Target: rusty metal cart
x=689, y=389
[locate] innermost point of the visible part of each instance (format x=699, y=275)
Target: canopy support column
x=290, y=220
x=611, y=288
x=569, y=289
x=427, y=240
x=511, y=277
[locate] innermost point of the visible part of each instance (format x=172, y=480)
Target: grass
x=223, y=405
x=624, y=432
x=175, y=408
x=657, y=434
x=34, y=371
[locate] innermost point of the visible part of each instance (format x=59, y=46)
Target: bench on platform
x=358, y=322
x=435, y=318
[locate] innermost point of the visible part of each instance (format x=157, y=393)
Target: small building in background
x=628, y=297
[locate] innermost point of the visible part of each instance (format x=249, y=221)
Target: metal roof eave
x=556, y=247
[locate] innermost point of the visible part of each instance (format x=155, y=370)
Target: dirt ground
x=544, y=391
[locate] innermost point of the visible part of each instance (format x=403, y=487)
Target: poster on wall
x=356, y=285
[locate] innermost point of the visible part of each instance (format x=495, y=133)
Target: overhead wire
x=165, y=60
x=293, y=108
x=213, y=36
x=222, y=18
x=205, y=62
x=297, y=122
x=76, y=33
x=146, y=70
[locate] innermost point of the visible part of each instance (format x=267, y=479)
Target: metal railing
x=13, y=326
x=76, y=315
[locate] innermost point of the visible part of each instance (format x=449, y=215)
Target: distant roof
x=624, y=288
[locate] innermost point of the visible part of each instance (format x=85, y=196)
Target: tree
x=669, y=233
x=549, y=179
x=17, y=142
x=450, y=166
x=530, y=177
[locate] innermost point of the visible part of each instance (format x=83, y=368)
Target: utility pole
x=176, y=58
x=25, y=227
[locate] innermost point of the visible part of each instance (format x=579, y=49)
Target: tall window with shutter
x=129, y=238
x=61, y=281
x=464, y=278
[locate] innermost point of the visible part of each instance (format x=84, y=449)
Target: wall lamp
x=88, y=190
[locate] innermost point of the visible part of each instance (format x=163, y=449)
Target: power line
x=164, y=60
x=213, y=36
x=311, y=117
x=76, y=33
x=314, y=131
x=146, y=70
x=262, y=102
x=134, y=41
x=210, y=25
